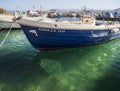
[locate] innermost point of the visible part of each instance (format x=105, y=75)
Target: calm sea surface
x=23, y=68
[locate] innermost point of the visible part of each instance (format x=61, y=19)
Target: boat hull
x=47, y=39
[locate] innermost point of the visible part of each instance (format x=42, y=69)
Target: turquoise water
x=23, y=68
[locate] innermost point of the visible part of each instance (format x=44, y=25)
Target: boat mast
x=18, y=5
x=41, y=8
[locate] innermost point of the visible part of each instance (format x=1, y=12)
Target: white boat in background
x=7, y=22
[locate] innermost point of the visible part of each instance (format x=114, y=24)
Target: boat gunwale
x=106, y=27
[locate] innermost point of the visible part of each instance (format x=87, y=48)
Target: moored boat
x=6, y=22
x=108, y=19
x=50, y=34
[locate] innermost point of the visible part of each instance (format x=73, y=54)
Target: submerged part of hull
x=46, y=39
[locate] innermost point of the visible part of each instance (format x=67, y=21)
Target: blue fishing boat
x=48, y=34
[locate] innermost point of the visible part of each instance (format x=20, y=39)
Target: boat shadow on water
x=93, y=68
x=75, y=69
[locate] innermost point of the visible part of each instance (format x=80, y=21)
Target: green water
x=23, y=68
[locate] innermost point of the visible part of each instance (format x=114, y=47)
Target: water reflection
x=22, y=68
x=78, y=68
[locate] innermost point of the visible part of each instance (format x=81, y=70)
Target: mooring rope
x=3, y=41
